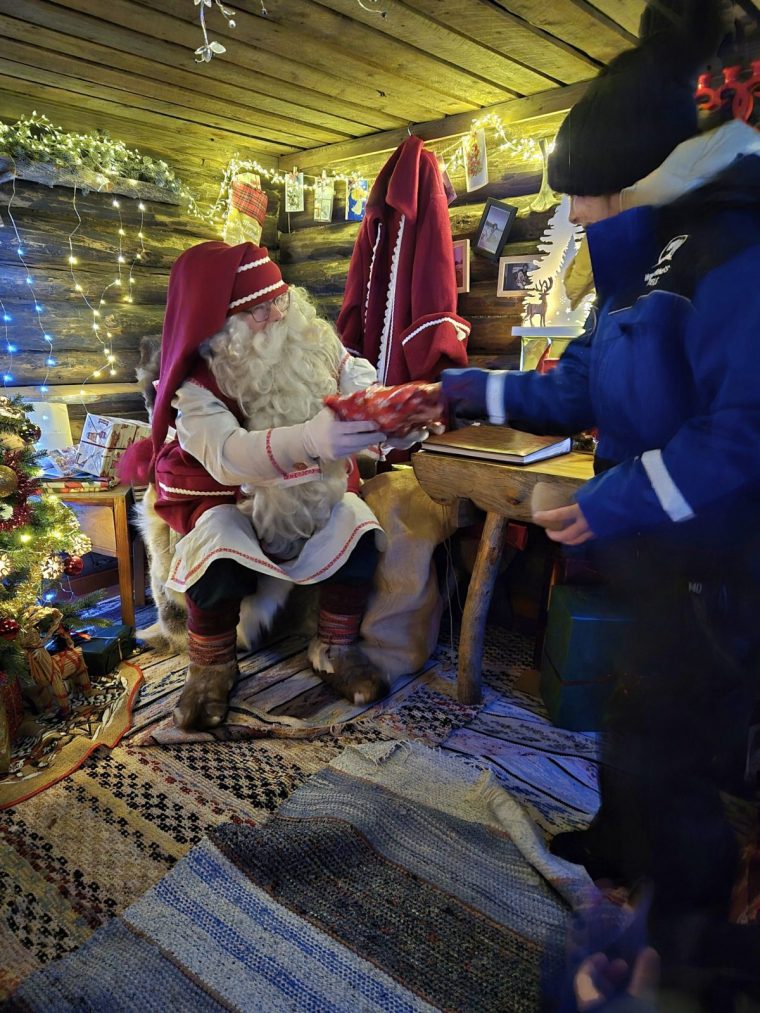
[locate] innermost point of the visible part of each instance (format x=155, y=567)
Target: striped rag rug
x=398, y=878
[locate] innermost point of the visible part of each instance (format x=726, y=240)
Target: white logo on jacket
x=664, y=261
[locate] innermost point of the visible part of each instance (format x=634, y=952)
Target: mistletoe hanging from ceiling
x=211, y=47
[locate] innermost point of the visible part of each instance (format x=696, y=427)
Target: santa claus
x=249, y=474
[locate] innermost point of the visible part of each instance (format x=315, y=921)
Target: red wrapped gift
x=398, y=410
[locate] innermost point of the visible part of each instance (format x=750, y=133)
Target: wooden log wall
x=46, y=218
x=317, y=255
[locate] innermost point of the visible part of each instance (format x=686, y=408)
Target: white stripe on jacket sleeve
x=495, y=396
x=672, y=500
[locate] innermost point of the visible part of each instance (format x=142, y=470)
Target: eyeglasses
x=263, y=311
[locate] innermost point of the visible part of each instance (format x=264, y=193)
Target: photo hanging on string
x=324, y=195
x=357, y=192
x=294, y=191
x=475, y=159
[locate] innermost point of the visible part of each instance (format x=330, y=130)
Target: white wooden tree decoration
x=547, y=303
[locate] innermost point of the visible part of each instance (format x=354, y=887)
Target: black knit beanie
x=641, y=106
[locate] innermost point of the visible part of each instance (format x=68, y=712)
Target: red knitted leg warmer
x=211, y=633
x=341, y=608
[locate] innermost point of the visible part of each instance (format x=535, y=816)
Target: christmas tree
x=40, y=538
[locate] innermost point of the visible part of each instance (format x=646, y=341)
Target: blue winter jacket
x=669, y=368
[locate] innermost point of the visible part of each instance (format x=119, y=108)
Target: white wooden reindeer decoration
x=538, y=308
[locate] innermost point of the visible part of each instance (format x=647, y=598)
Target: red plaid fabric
x=250, y=201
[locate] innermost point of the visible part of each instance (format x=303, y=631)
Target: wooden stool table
x=503, y=491
x=119, y=500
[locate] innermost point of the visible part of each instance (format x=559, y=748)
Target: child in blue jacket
x=668, y=372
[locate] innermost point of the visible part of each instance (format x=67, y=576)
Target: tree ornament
x=8, y=410
x=8, y=481
x=30, y=432
x=6, y=566
x=73, y=566
x=52, y=568
x=80, y=544
x=6, y=511
x=9, y=628
x=11, y=441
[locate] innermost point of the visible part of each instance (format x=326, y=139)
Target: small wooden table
x=503, y=491
x=119, y=499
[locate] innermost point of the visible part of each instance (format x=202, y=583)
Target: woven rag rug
x=81, y=852
x=397, y=878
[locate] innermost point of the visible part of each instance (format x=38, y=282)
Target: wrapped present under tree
x=53, y=676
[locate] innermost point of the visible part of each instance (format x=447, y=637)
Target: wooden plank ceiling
x=297, y=75
x=307, y=73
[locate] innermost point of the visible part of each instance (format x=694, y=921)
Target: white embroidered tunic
x=204, y=427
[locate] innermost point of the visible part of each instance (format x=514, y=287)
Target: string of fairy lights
x=452, y=157
x=94, y=305
x=100, y=162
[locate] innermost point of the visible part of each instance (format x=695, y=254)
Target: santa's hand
x=329, y=439
x=408, y=441
x=566, y=525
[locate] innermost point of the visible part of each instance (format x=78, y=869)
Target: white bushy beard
x=280, y=377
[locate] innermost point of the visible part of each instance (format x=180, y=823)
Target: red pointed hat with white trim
x=208, y=283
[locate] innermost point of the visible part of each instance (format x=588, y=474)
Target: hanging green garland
x=91, y=161
x=35, y=138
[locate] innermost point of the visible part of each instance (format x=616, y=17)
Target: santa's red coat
x=400, y=304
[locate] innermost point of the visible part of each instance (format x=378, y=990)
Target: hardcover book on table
x=498, y=443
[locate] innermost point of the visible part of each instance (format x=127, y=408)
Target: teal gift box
x=583, y=651
x=106, y=648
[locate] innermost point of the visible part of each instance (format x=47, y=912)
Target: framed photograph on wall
x=494, y=228
x=514, y=276
x=462, y=264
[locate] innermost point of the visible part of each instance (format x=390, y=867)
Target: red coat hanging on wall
x=400, y=304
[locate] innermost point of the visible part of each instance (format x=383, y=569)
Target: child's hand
x=566, y=525
x=599, y=983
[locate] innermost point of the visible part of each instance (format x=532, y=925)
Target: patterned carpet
x=389, y=881
x=81, y=852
